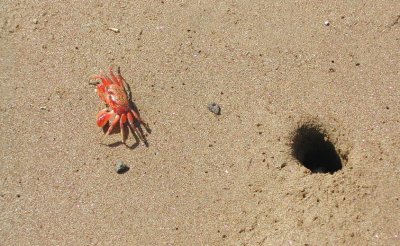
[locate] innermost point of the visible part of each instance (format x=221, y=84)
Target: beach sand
x=205, y=179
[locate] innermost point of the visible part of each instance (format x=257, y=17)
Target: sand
x=205, y=179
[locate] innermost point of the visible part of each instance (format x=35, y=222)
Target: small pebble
x=327, y=23
x=121, y=167
x=35, y=21
x=215, y=108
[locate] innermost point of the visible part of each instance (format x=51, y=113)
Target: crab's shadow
x=116, y=144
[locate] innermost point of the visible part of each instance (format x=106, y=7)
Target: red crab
x=115, y=92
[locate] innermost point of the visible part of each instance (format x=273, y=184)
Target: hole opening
x=312, y=148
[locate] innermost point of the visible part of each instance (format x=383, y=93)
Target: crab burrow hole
x=312, y=148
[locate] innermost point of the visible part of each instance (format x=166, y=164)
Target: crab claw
x=103, y=117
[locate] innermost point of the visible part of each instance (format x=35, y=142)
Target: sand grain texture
x=205, y=179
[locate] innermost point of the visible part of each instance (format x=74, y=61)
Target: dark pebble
x=215, y=108
x=121, y=167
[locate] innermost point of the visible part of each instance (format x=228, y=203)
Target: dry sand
x=204, y=179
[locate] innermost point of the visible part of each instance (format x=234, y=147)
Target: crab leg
x=120, y=78
x=101, y=88
x=134, y=129
x=137, y=117
x=101, y=91
x=113, y=124
x=114, y=78
x=122, y=127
